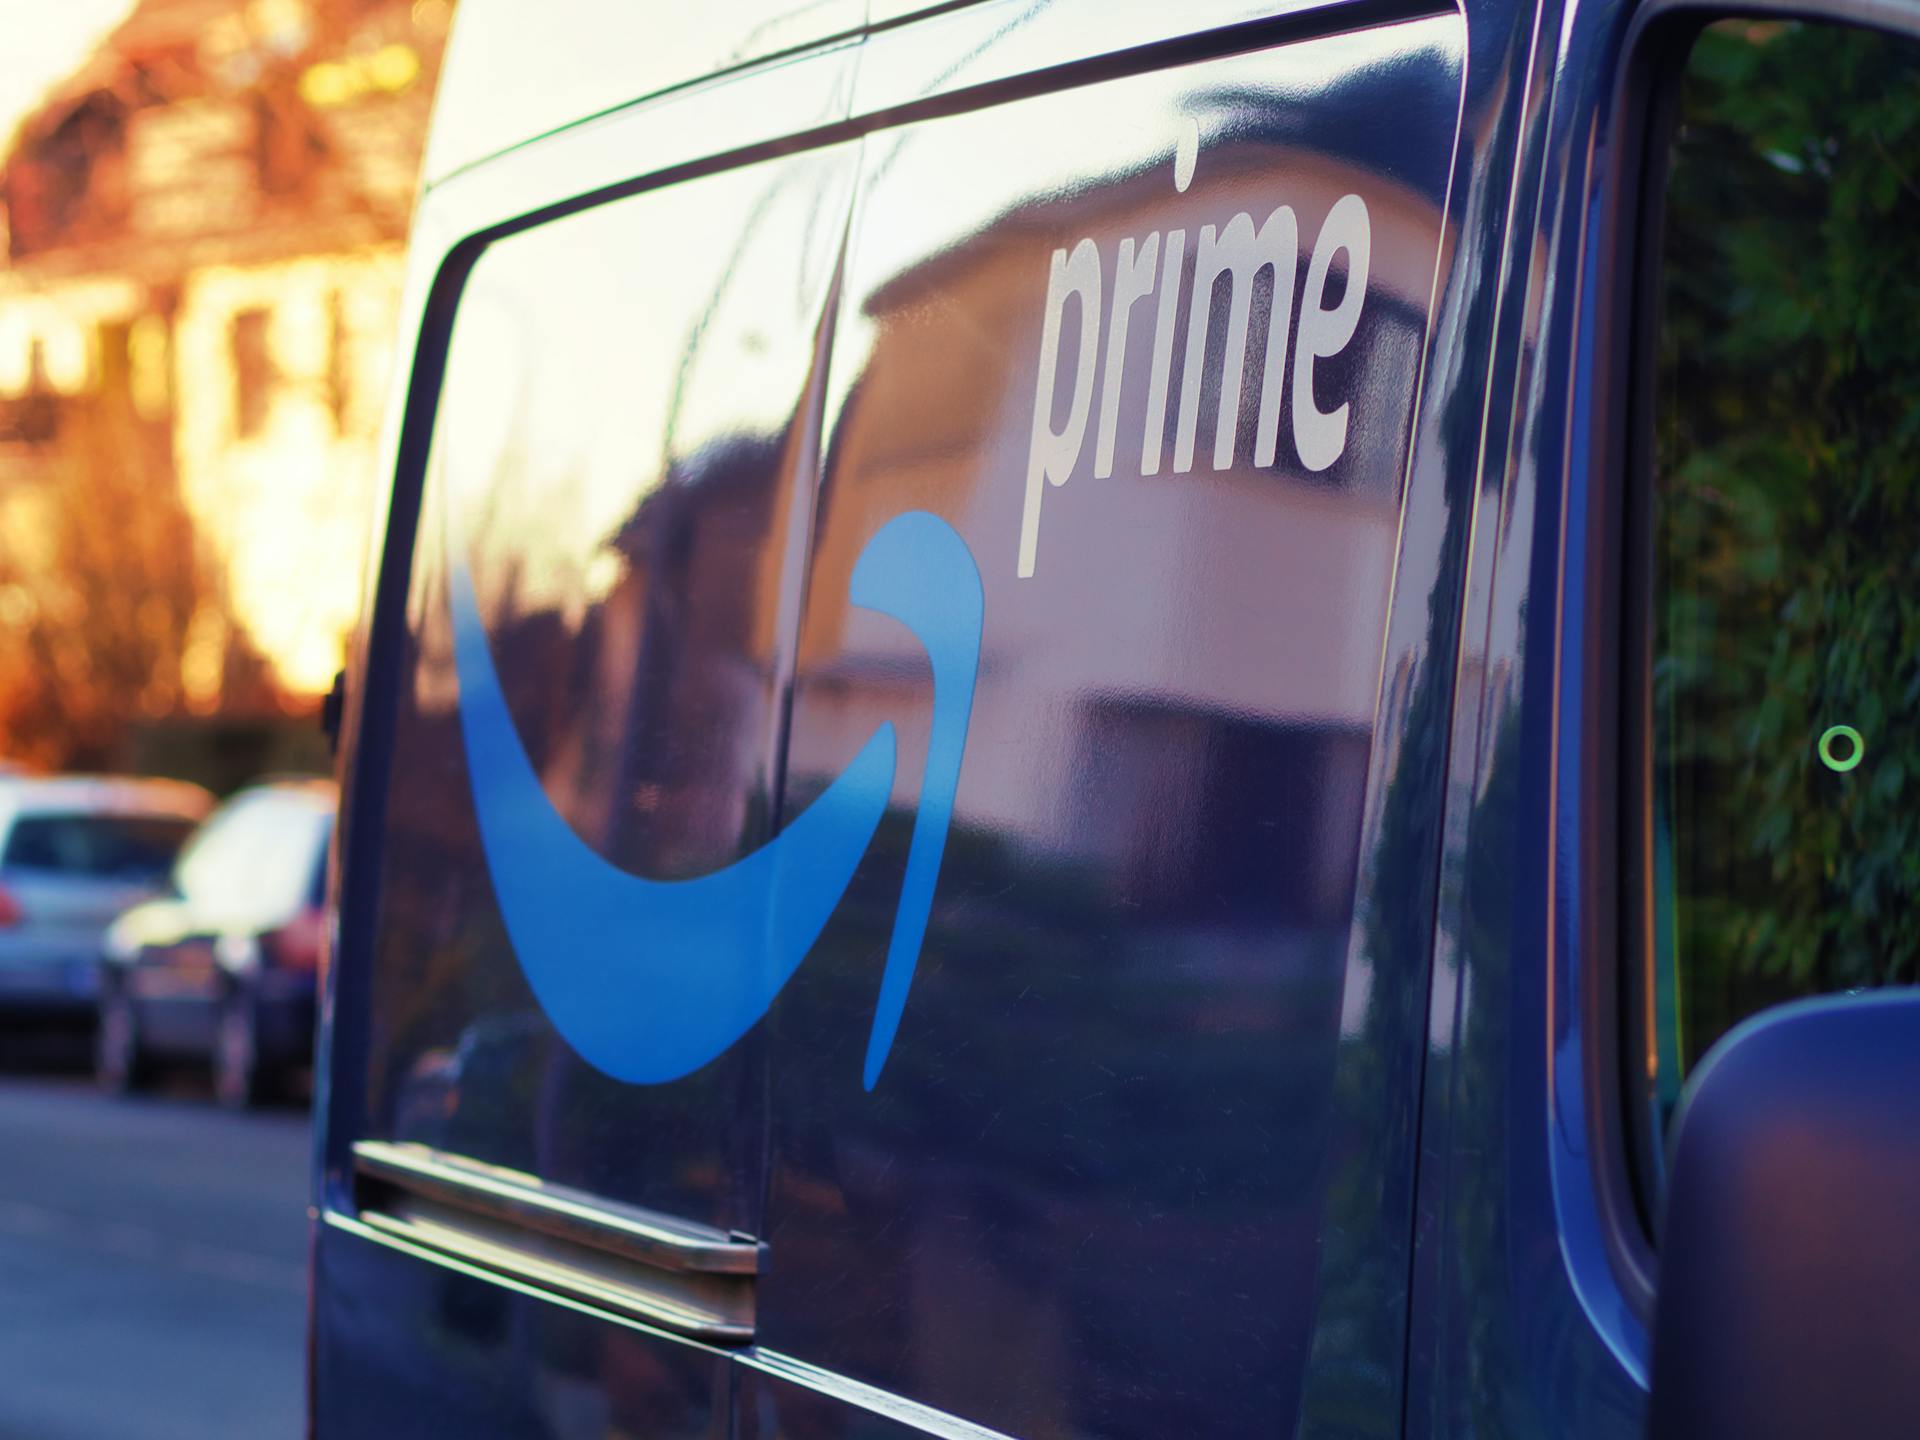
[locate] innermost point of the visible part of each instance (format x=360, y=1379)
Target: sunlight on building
x=204, y=659
x=275, y=444
x=202, y=235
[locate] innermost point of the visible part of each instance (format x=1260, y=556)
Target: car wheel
x=239, y=1076
x=119, y=1062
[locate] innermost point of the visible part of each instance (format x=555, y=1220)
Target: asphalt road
x=152, y=1266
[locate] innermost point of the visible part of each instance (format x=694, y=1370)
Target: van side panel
x=516, y=72
x=613, y=488
x=600, y=631
x=1523, y=1325
x=1087, y=1186
x=413, y=1350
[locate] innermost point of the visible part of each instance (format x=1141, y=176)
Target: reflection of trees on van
x=1361, y=1304
x=650, y=718
x=615, y=455
x=1788, y=435
x=1178, y=896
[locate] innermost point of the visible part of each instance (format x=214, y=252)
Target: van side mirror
x=1789, y=1291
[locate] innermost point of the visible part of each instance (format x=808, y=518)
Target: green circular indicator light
x=1841, y=748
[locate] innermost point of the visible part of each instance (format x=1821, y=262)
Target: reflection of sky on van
x=1282, y=98
x=532, y=68
x=1140, y=133
x=550, y=472
x=614, y=459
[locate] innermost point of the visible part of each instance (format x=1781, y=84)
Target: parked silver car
x=76, y=851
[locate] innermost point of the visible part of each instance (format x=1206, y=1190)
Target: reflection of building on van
x=983, y=790
x=1151, y=654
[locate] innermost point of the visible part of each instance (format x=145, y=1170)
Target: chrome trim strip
x=537, y=70
x=922, y=1419
x=686, y=1279
x=956, y=57
x=718, y=1309
x=524, y=1202
x=394, y=1237
x=883, y=1403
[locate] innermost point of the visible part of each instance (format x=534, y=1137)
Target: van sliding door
x=561, y=1101
x=1093, y=1112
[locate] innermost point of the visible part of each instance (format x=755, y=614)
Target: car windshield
x=134, y=847
x=257, y=856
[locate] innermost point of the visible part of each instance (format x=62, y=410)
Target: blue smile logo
x=649, y=980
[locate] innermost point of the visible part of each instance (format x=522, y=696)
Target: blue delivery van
x=1098, y=720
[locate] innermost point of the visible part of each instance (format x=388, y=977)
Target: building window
x=339, y=373
x=252, y=373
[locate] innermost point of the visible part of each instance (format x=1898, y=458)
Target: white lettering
x=1162, y=372
x=1241, y=253
x=1049, y=454
x=1132, y=283
x=1320, y=435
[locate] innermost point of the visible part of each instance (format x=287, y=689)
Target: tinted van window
x=1786, y=668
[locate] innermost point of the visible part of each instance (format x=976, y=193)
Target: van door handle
x=689, y=1278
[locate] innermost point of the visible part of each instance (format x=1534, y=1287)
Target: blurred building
x=201, y=236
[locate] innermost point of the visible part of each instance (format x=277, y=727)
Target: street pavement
x=152, y=1265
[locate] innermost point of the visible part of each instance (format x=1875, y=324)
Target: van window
x=1785, y=695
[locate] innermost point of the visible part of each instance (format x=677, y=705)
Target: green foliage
x=1788, y=436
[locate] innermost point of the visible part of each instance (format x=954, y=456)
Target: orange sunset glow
x=203, y=212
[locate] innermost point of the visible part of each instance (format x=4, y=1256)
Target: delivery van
x=1085, y=718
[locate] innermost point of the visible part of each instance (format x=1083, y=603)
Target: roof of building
x=225, y=132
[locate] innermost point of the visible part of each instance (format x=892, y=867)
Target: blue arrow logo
x=651, y=979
